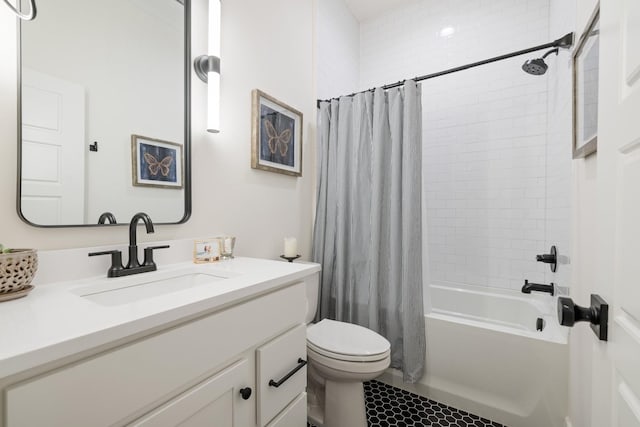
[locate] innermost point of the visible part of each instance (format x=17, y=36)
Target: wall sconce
x=24, y=16
x=207, y=67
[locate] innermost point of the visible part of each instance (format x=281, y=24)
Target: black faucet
x=107, y=217
x=133, y=266
x=528, y=287
x=133, y=240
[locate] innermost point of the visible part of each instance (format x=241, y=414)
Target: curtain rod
x=566, y=42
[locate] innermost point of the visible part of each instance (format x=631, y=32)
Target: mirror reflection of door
x=52, y=150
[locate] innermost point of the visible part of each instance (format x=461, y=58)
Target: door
x=615, y=393
x=52, y=150
x=217, y=401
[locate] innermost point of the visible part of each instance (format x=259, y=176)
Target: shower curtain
x=368, y=229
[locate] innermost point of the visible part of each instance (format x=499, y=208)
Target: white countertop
x=54, y=322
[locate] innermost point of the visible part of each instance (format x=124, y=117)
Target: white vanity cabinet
x=188, y=374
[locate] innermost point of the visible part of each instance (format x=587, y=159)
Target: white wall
x=338, y=49
x=258, y=207
x=583, y=264
x=559, y=189
x=485, y=146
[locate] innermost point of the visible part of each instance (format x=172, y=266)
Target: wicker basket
x=17, y=269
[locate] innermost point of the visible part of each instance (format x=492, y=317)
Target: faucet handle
x=116, y=261
x=550, y=258
x=148, y=254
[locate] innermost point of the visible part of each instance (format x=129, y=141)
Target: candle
x=290, y=247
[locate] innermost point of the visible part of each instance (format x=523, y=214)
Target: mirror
x=586, y=60
x=104, y=129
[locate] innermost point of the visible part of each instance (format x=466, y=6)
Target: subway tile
x=496, y=144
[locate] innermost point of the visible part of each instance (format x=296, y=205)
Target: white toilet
x=341, y=356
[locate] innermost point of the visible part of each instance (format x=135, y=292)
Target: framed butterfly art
x=156, y=163
x=276, y=135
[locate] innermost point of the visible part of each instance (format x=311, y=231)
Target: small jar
x=228, y=243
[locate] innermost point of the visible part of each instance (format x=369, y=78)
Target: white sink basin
x=125, y=290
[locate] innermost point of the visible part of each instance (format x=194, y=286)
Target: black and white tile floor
x=389, y=406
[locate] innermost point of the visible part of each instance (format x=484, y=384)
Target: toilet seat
x=347, y=357
x=348, y=370
x=346, y=342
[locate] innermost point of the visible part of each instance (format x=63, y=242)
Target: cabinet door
x=214, y=402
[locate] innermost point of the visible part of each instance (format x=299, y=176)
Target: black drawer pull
x=301, y=363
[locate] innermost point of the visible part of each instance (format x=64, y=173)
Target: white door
x=615, y=395
x=52, y=150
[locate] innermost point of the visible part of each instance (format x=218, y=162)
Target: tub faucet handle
x=551, y=258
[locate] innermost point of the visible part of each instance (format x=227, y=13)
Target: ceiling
x=367, y=9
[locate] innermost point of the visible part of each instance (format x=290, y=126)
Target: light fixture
x=447, y=31
x=207, y=67
x=24, y=16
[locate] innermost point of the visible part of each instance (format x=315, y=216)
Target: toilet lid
x=347, y=339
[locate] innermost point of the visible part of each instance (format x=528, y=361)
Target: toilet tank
x=313, y=289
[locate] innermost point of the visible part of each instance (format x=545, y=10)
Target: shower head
x=537, y=66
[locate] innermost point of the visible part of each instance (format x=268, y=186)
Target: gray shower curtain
x=368, y=227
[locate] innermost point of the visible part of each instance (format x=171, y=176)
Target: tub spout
x=528, y=287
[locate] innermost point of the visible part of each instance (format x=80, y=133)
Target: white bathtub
x=484, y=355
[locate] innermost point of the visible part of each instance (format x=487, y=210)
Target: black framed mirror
x=104, y=112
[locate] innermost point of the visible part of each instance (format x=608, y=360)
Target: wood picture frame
x=207, y=250
x=276, y=135
x=156, y=163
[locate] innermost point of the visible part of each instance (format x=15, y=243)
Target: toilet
x=341, y=356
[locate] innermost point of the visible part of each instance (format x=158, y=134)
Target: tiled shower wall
x=485, y=154
x=497, y=163
x=559, y=137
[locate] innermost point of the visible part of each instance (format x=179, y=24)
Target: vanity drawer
x=281, y=372
x=295, y=415
x=119, y=385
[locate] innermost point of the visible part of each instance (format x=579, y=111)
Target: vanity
x=219, y=344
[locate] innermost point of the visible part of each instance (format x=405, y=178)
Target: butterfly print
x=163, y=166
x=277, y=142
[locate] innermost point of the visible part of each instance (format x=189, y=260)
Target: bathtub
x=484, y=355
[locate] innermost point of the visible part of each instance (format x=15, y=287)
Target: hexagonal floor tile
x=390, y=406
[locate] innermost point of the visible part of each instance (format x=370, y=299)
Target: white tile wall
x=559, y=143
x=485, y=153
x=497, y=152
